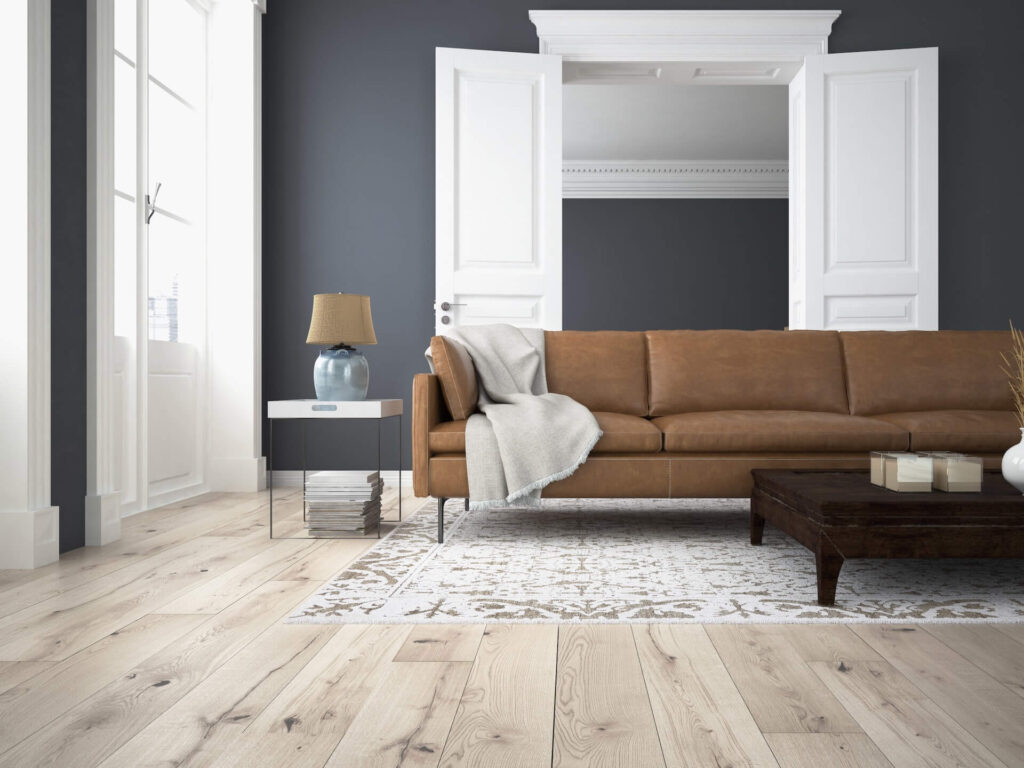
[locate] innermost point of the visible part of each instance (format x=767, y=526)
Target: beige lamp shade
x=341, y=318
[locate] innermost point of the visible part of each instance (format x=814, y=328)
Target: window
x=160, y=156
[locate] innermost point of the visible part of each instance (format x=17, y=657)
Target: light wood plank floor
x=168, y=649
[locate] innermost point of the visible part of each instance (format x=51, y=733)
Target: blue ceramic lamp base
x=341, y=373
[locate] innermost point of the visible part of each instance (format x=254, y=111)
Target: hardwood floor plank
x=216, y=594
x=985, y=646
x=972, y=697
x=701, y=717
x=326, y=559
x=602, y=712
x=14, y=673
x=94, y=729
x=826, y=642
x=325, y=696
x=406, y=720
x=778, y=687
x=56, y=629
x=441, y=642
x=37, y=702
x=836, y=750
x=196, y=729
x=505, y=716
x=908, y=728
x=1016, y=631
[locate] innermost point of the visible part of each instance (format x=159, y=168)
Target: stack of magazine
x=342, y=503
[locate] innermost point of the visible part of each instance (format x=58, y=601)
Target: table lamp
x=340, y=321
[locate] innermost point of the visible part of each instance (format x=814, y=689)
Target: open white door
x=499, y=189
x=864, y=171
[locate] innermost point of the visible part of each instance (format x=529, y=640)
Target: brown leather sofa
x=688, y=414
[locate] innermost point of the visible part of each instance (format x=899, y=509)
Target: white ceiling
x=664, y=121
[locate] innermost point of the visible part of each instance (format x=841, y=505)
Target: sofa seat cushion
x=622, y=434
x=965, y=431
x=734, y=431
x=626, y=434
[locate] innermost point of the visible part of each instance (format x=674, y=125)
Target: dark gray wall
x=637, y=265
x=68, y=268
x=349, y=184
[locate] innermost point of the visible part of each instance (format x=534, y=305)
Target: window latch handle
x=151, y=204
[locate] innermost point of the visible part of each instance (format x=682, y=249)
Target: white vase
x=1013, y=464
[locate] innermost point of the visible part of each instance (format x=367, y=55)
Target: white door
x=864, y=191
x=499, y=189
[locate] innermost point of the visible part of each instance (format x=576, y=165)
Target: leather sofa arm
x=427, y=411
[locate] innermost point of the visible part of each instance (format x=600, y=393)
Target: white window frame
x=232, y=441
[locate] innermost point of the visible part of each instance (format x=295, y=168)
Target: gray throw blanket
x=525, y=437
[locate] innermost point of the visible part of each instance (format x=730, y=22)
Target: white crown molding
x=784, y=36
x=675, y=179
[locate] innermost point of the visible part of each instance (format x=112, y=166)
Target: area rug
x=638, y=560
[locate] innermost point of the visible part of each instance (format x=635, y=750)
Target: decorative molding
x=102, y=519
x=762, y=36
x=679, y=179
x=234, y=227
x=237, y=474
x=102, y=439
x=28, y=522
x=292, y=478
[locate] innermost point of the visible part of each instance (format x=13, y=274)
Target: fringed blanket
x=524, y=437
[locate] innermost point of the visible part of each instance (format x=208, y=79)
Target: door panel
x=864, y=191
x=499, y=195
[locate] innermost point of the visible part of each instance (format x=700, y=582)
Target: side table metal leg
x=380, y=514
x=440, y=519
x=270, y=471
x=399, y=467
x=303, y=470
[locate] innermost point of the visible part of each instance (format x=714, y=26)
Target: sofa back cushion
x=896, y=371
x=454, y=367
x=603, y=370
x=745, y=370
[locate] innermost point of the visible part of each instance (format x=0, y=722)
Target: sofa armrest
x=427, y=411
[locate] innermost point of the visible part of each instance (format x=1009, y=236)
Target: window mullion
x=142, y=249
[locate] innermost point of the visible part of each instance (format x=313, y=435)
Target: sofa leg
x=440, y=519
x=467, y=504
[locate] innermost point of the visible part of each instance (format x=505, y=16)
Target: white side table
x=330, y=409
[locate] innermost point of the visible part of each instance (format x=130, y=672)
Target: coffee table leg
x=828, y=563
x=756, y=527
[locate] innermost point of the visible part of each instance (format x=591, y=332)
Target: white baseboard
x=102, y=519
x=237, y=474
x=293, y=477
x=28, y=539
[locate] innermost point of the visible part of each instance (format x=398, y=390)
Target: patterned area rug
x=638, y=560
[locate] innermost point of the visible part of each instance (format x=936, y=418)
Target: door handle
x=447, y=305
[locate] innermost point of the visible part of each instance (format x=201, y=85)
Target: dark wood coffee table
x=841, y=515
